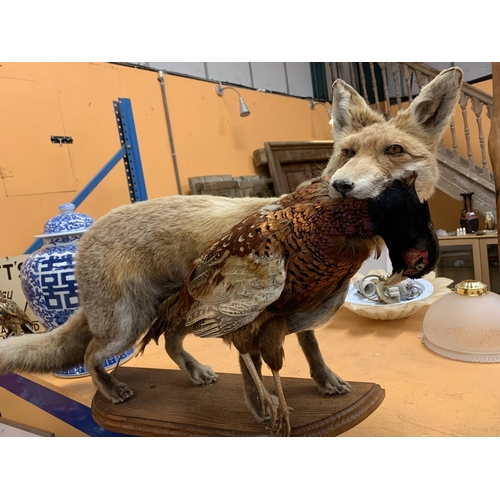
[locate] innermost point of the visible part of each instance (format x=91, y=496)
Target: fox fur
x=137, y=255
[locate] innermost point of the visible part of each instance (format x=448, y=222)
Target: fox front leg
x=327, y=380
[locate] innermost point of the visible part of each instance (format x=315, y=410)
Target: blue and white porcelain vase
x=48, y=277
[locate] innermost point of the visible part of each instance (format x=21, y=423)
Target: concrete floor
x=426, y=394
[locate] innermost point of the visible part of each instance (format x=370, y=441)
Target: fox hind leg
x=97, y=351
x=198, y=373
x=116, y=330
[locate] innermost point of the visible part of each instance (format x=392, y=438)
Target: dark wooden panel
x=291, y=163
x=232, y=187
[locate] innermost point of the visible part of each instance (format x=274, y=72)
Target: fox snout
x=343, y=186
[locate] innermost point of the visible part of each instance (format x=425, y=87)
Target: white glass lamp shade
x=465, y=325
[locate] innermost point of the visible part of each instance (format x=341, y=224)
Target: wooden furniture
x=470, y=257
x=288, y=164
x=291, y=163
x=165, y=403
x=232, y=187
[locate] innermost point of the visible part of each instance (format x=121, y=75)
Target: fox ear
x=350, y=111
x=433, y=108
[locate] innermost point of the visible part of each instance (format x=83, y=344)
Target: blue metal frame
x=132, y=158
x=68, y=410
x=129, y=151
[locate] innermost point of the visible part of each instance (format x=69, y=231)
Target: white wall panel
x=234, y=72
x=439, y=65
x=183, y=68
x=472, y=70
x=270, y=76
x=475, y=70
x=293, y=78
x=299, y=78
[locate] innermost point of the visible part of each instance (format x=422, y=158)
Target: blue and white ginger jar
x=48, y=277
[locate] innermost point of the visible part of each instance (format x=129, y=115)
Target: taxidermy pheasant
x=288, y=267
x=13, y=318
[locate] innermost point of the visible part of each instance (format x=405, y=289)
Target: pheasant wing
x=232, y=291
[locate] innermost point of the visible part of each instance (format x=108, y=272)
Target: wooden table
x=427, y=394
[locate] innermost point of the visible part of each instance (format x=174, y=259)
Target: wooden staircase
x=463, y=154
x=455, y=178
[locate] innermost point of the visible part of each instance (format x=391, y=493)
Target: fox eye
x=394, y=149
x=348, y=153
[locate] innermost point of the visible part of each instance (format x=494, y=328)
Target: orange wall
x=75, y=99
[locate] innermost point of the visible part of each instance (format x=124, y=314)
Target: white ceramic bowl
x=433, y=288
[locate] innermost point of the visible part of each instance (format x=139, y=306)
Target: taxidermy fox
x=286, y=268
x=138, y=255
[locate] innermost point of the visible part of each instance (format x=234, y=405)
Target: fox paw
x=120, y=393
x=329, y=382
x=201, y=374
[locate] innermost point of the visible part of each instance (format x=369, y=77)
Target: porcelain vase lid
x=67, y=223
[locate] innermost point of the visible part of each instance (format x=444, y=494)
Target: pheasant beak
x=394, y=278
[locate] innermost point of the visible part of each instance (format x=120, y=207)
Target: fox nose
x=343, y=186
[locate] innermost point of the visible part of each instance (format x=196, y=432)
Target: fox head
x=370, y=151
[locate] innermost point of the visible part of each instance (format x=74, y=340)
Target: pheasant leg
x=264, y=396
x=283, y=408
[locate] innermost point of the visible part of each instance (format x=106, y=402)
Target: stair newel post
x=494, y=139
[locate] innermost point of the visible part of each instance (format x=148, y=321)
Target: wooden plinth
x=165, y=403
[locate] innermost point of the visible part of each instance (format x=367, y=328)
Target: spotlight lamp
x=219, y=89
x=312, y=104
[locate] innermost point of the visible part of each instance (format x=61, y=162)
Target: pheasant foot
x=267, y=401
x=283, y=408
